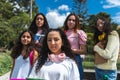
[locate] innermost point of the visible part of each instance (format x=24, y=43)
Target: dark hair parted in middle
x=77, y=23
x=33, y=26
x=45, y=50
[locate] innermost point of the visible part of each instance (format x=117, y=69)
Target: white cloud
x=55, y=19
x=116, y=18
x=112, y=3
x=63, y=7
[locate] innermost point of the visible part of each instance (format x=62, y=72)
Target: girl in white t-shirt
x=56, y=61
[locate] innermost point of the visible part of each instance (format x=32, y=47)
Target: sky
x=56, y=11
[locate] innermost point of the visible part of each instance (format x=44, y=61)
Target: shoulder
x=114, y=33
x=82, y=35
x=69, y=60
x=35, y=52
x=81, y=32
x=70, y=63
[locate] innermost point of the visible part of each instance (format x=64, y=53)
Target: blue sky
x=57, y=10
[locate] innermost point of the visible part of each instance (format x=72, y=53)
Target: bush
x=5, y=63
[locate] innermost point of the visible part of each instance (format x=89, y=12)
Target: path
x=5, y=77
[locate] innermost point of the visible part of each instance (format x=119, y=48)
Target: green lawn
x=5, y=63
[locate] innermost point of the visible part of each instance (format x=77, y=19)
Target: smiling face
x=39, y=21
x=54, y=42
x=100, y=25
x=26, y=38
x=71, y=22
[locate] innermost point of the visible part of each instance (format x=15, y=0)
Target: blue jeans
x=80, y=67
x=100, y=74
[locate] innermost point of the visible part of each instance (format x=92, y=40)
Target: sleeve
x=82, y=37
x=74, y=73
x=107, y=52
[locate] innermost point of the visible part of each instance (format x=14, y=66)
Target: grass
x=5, y=63
x=88, y=65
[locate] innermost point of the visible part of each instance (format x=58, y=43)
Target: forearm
x=82, y=50
x=107, y=52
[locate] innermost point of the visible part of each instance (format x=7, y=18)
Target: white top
x=21, y=67
x=110, y=52
x=65, y=70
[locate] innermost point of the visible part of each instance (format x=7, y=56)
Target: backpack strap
x=31, y=56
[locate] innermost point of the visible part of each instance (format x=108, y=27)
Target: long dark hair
x=33, y=27
x=17, y=48
x=77, y=24
x=45, y=50
x=106, y=29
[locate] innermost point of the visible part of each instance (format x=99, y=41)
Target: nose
x=25, y=37
x=71, y=21
x=100, y=25
x=39, y=19
x=53, y=42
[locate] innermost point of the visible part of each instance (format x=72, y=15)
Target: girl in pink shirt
x=77, y=39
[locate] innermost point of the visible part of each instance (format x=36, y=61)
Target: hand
x=100, y=45
x=74, y=50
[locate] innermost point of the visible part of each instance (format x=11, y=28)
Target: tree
x=6, y=9
x=24, y=6
x=13, y=21
x=80, y=8
x=92, y=20
x=104, y=14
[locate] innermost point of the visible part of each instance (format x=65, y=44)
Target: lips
x=53, y=47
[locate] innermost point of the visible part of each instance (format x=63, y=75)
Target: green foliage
x=5, y=35
x=6, y=9
x=80, y=8
x=12, y=22
x=24, y=6
x=88, y=62
x=92, y=20
x=5, y=63
x=90, y=43
x=103, y=14
x=88, y=65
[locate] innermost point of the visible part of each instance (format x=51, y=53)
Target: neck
x=39, y=29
